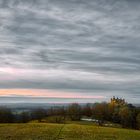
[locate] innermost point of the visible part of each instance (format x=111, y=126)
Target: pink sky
x=44, y=93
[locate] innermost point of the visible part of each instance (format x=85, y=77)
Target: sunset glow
x=43, y=93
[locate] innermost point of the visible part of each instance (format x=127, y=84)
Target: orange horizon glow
x=44, y=93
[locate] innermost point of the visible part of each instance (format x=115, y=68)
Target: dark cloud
x=84, y=45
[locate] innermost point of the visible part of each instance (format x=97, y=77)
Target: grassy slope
x=37, y=131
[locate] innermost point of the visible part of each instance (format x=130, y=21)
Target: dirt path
x=59, y=134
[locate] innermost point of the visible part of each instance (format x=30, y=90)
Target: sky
x=70, y=49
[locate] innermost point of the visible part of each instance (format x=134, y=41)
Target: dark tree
x=86, y=110
x=138, y=121
x=126, y=117
x=6, y=115
x=38, y=114
x=74, y=112
x=100, y=112
x=25, y=117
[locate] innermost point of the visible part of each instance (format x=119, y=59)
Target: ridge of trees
x=116, y=111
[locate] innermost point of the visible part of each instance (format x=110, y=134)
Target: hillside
x=42, y=131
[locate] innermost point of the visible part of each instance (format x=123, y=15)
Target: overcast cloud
x=86, y=46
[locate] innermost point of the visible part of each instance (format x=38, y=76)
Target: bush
x=54, y=119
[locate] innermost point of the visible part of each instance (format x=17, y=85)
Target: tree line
x=116, y=111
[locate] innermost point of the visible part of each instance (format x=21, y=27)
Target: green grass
x=43, y=131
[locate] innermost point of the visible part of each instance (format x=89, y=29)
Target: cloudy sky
x=70, y=48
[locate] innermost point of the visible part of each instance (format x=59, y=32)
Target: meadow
x=73, y=131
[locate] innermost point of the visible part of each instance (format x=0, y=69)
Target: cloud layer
x=85, y=46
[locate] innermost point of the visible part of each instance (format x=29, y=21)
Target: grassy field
x=43, y=131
